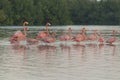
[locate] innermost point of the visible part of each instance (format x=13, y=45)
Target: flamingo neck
x=114, y=34
x=47, y=30
x=25, y=32
x=69, y=33
x=53, y=35
x=95, y=33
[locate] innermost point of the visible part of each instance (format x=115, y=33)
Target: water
x=60, y=61
x=74, y=27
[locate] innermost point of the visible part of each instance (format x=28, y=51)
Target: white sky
x=98, y=0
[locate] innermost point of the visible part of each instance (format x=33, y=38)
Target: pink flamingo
x=80, y=37
x=101, y=38
x=67, y=36
x=42, y=34
x=93, y=36
x=32, y=41
x=50, y=39
x=83, y=31
x=113, y=39
x=18, y=35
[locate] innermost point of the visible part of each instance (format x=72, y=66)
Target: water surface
x=60, y=61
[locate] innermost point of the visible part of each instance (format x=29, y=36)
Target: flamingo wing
x=111, y=40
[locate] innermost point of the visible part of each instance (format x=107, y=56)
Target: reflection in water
x=46, y=49
x=93, y=48
x=51, y=62
x=89, y=61
x=101, y=47
x=65, y=48
x=112, y=48
x=19, y=48
x=79, y=48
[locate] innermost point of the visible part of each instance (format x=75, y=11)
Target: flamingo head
x=69, y=29
x=48, y=24
x=26, y=22
x=114, y=31
x=83, y=28
x=54, y=33
x=95, y=30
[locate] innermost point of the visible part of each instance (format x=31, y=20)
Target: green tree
x=6, y=12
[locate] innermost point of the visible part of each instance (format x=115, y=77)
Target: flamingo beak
x=49, y=24
x=27, y=23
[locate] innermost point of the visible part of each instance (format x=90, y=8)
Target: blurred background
x=60, y=12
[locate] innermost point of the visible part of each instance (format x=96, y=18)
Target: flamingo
x=80, y=37
x=32, y=41
x=101, y=38
x=50, y=39
x=67, y=36
x=18, y=35
x=83, y=31
x=93, y=36
x=42, y=34
x=113, y=39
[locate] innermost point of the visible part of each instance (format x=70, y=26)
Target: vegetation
x=60, y=12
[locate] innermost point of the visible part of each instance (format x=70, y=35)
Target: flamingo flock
x=21, y=37
x=47, y=37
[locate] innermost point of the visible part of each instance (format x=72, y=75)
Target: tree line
x=60, y=12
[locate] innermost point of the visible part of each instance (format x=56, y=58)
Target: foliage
x=60, y=12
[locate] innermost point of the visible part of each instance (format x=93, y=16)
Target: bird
x=93, y=36
x=101, y=38
x=112, y=39
x=22, y=36
x=19, y=35
x=67, y=36
x=32, y=41
x=50, y=39
x=43, y=34
x=80, y=36
x=46, y=36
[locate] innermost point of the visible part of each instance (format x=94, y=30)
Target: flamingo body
x=49, y=40
x=66, y=36
x=101, y=39
x=80, y=37
x=93, y=36
x=32, y=41
x=42, y=35
x=113, y=39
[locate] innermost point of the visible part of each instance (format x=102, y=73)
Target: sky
x=98, y=0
